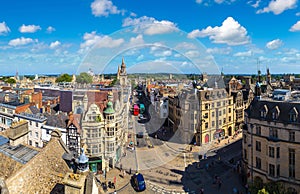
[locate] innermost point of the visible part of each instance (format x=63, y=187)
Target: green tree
x=64, y=78
x=84, y=78
x=10, y=81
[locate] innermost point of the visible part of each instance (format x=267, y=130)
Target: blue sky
x=189, y=35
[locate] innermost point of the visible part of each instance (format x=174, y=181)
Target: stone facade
x=271, y=142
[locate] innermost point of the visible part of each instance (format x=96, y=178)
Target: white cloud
x=243, y=54
x=199, y=1
x=50, y=29
x=297, y=14
x=141, y=57
x=231, y=33
x=104, y=8
x=295, y=27
x=256, y=4
x=165, y=53
x=4, y=29
x=216, y=50
x=55, y=44
x=90, y=39
x=21, y=41
x=185, y=45
x=192, y=53
x=278, y=6
x=138, y=40
x=150, y=25
x=274, y=44
x=29, y=28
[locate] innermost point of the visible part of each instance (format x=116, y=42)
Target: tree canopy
x=64, y=78
x=84, y=78
x=10, y=81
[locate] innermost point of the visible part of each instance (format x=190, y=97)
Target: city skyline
x=55, y=37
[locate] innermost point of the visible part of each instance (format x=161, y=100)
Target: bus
x=142, y=108
x=136, y=110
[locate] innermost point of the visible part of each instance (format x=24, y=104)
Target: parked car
x=138, y=182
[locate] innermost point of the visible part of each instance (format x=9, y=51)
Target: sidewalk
x=114, y=175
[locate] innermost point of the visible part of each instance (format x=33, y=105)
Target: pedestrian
x=129, y=170
x=115, y=192
x=247, y=188
x=201, y=190
x=191, y=148
x=220, y=183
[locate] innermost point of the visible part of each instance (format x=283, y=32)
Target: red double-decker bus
x=136, y=110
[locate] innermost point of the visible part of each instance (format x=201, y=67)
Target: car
x=138, y=182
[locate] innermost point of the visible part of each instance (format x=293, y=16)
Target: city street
x=169, y=167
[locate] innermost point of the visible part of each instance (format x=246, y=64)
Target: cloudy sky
x=53, y=36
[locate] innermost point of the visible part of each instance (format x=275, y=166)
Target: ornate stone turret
x=83, y=162
x=109, y=109
x=123, y=67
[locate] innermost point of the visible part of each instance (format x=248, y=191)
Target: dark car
x=138, y=182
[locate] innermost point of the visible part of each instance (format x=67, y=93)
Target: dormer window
x=263, y=111
x=293, y=115
x=275, y=113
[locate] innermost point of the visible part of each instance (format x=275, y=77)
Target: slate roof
x=285, y=108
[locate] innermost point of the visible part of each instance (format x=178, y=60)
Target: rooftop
x=19, y=153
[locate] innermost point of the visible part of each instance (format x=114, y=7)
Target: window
x=224, y=120
x=36, y=144
x=278, y=170
x=94, y=149
x=30, y=122
x=263, y=114
x=220, y=113
x=47, y=131
x=206, y=125
x=220, y=122
x=206, y=106
x=192, y=116
x=292, y=163
x=206, y=115
x=229, y=118
x=30, y=133
x=273, y=133
x=258, y=146
x=229, y=102
x=36, y=134
x=293, y=117
x=212, y=104
x=292, y=136
x=224, y=111
x=213, y=123
x=36, y=124
x=245, y=138
x=271, y=152
x=271, y=170
x=213, y=114
x=110, y=147
x=30, y=142
x=218, y=104
x=258, y=163
x=278, y=152
x=110, y=131
x=258, y=130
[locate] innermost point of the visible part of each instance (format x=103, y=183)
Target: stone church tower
x=123, y=74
